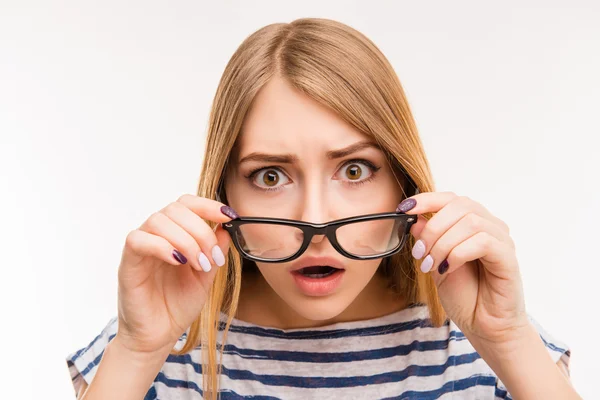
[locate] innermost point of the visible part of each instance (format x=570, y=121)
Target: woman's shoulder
x=460, y=351
x=442, y=351
x=559, y=350
x=83, y=362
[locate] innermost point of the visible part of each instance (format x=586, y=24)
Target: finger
x=466, y=204
x=427, y=202
x=438, y=201
x=145, y=244
x=200, y=231
x=495, y=256
x=161, y=225
x=208, y=209
x=466, y=227
x=448, y=216
x=223, y=240
x=418, y=226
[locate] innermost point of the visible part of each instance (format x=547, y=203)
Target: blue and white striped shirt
x=399, y=356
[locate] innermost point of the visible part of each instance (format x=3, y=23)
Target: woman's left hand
x=474, y=265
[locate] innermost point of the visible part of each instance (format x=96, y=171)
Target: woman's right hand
x=159, y=296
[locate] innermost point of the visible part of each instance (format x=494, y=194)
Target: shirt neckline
x=409, y=313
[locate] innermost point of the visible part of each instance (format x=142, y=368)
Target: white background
x=103, y=114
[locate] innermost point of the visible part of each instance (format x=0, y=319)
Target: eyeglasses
x=363, y=237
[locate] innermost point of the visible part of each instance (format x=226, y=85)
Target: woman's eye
x=269, y=178
x=355, y=172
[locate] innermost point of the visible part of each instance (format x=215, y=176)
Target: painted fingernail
x=427, y=264
x=418, y=250
x=230, y=212
x=204, y=263
x=443, y=267
x=406, y=205
x=218, y=256
x=179, y=257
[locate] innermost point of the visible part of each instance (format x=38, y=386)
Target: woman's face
x=296, y=159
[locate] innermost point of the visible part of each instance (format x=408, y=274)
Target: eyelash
x=369, y=164
x=252, y=174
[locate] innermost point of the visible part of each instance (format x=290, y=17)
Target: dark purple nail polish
x=443, y=267
x=179, y=257
x=406, y=205
x=230, y=212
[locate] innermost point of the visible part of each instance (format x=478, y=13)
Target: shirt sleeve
x=558, y=350
x=83, y=363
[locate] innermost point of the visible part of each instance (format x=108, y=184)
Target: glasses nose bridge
x=324, y=230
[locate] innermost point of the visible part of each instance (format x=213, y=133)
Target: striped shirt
x=397, y=356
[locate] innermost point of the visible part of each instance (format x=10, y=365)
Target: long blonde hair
x=340, y=68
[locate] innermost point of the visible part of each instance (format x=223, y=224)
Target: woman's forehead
x=284, y=120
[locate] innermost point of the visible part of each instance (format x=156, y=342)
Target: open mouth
x=318, y=271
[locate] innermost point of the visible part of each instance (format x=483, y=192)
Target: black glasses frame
x=310, y=229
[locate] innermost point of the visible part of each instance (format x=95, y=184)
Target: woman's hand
x=474, y=265
x=167, y=268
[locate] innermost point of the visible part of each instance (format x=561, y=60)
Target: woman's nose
x=315, y=207
x=317, y=238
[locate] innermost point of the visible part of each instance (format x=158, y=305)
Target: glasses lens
x=370, y=238
x=270, y=241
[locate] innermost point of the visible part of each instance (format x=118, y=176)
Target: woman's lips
x=318, y=286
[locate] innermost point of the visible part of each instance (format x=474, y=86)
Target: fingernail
x=418, y=250
x=204, y=263
x=218, y=256
x=230, y=212
x=427, y=264
x=443, y=267
x=179, y=257
x=406, y=205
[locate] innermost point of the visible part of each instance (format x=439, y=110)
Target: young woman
x=349, y=276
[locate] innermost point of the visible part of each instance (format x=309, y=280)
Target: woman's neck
x=375, y=300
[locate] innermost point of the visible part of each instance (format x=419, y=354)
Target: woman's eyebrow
x=292, y=158
x=274, y=158
x=353, y=148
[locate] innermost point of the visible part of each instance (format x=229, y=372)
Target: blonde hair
x=340, y=68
